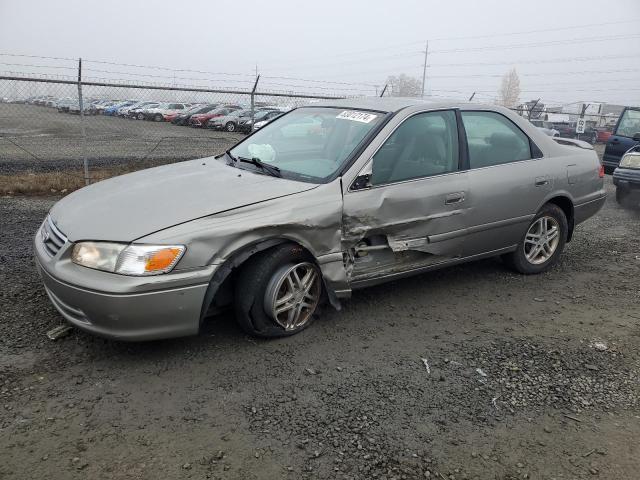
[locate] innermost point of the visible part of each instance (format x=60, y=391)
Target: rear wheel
x=140, y=116
x=157, y=117
x=543, y=242
x=278, y=292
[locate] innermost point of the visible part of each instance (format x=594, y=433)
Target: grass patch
x=47, y=183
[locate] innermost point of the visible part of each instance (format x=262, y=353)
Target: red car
x=201, y=119
x=603, y=135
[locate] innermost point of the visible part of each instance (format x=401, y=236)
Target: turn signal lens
x=149, y=259
x=601, y=171
x=162, y=259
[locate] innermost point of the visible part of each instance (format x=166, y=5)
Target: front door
x=410, y=212
x=622, y=139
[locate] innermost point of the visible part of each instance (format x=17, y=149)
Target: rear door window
x=493, y=139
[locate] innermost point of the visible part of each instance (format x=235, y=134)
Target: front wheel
x=140, y=116
x=543, y=242
x=157, y=117
x=230, y=126
x=278, y=292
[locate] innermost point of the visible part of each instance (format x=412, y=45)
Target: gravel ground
x=39, y=139
x=528, y=377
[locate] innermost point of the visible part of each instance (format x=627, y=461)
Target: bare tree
x=510, y=89
x=404, y=86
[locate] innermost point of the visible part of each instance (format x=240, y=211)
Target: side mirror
x=636, y=136
x=361, y=182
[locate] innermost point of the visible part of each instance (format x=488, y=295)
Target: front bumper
x=627, y=178
x=122, y=307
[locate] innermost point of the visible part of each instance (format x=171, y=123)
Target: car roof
x=390, y=104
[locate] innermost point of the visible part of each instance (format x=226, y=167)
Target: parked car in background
x=319, y=202
x=625, y=136
x=87, y=108
x=136, y=113
x=200, y=120
x=170, y=116
x=626, y=178
x=245, y=125
x=546, y=127
x=230, y=121
x=157, y=113
x=113, y=109
x=568, y=130
x=101, y=106
x=183, y=118
x=124, y=110
x=603, y=134
x=63, y=104
x=270, y=116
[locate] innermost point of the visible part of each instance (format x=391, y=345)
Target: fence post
x=253, y=103
x=83, y=132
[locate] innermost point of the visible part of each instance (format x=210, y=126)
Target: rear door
x=508, y=181
x=410, y=210
x=622, y=139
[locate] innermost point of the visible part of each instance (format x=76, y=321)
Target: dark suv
x=625, y=135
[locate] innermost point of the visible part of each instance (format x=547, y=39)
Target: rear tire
x=262, y=286
x=157, y=117
x=542, y=244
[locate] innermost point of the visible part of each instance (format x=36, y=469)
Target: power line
x=539, y=44
x=536, y=62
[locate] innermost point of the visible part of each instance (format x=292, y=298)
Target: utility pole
x=424, y=66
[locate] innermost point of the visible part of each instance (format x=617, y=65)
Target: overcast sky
x=564, y=51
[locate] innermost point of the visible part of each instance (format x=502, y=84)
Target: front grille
x=52, y=238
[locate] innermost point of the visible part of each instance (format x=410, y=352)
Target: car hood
x=131, y=206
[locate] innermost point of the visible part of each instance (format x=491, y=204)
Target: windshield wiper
x=265, y=167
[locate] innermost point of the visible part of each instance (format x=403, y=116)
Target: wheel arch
x=221, y=280
x=566, y=205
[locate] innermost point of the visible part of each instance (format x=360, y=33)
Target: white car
x=157, y=113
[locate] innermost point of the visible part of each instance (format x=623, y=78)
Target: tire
x=263, y=280
x=157, y=117
x=230, y=127
x=140, y=116
x=523, y=260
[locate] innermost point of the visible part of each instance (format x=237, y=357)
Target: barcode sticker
x=363, y=117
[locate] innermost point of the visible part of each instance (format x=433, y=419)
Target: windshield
x=311, y=143
x=629, y=123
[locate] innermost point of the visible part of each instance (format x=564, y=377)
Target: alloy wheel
x=293, y=294
x=541, y=240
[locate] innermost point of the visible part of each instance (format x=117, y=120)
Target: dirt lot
x=39, y=139
x=517, y=386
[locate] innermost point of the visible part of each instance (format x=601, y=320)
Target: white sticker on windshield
x=357, y=116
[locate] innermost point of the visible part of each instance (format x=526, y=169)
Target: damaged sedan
x=321, y=201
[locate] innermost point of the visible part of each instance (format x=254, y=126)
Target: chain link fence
x=60, y=134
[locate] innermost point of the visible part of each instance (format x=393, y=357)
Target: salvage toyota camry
x=321, y=201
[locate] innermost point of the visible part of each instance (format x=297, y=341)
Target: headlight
x=127, y=259
x=630, y=160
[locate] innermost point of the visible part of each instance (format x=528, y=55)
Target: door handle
x=540, y=181
x=457, y=197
